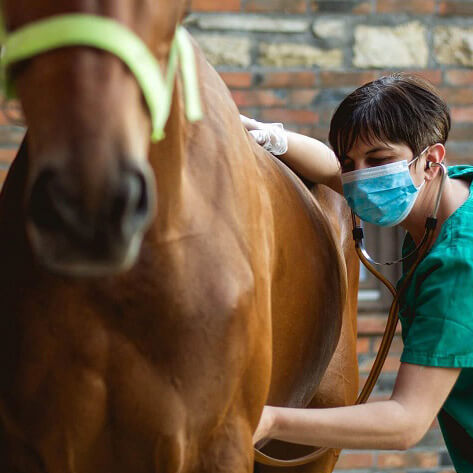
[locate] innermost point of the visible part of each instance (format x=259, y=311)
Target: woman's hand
x=266, y=425
x=271, y=136
x=307, y=156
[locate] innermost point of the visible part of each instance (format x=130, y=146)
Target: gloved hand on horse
x=271, y=136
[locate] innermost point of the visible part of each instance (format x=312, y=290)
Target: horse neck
x=202, y=163
x=168, y=160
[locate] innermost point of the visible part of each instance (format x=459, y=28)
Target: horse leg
x=230, y=450
x=170, y=454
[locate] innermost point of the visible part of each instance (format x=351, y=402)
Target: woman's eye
x=379, y=161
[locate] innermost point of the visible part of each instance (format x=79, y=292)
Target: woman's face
x=364, y=155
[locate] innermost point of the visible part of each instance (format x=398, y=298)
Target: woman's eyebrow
x=380, y=148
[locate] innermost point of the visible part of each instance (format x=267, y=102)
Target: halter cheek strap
x=78, y=29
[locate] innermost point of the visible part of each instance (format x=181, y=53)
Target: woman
x=386, y=137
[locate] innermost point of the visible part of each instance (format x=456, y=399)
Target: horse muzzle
x=78, y=236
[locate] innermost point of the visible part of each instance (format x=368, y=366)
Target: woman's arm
x=396, y=424
x=307, y=156
x=313, y=159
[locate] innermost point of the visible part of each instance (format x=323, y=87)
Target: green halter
x=78, y=29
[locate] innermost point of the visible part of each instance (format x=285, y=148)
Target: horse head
x=90, y=192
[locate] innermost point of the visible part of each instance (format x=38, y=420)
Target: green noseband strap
x=77, y=29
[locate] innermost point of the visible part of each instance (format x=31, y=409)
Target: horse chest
x=82, y=387
x=129, y=367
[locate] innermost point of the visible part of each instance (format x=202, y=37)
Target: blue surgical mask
x=382, y=195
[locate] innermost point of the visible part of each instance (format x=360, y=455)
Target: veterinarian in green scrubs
x=388, y=139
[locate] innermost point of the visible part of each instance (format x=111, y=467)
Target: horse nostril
x=130, y=208
x=122, y=209
x=42, y=202
x=53, y=209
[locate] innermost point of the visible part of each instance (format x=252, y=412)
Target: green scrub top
x=436, y=315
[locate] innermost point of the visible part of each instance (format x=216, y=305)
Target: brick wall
x=293, y=61
x=10, y=136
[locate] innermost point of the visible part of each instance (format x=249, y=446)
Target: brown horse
x=235, y=298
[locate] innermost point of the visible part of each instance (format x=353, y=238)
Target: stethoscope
x=421, y=249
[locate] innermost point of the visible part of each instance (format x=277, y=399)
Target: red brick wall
x=304, y=97
x=10, y=136
x=441, y=7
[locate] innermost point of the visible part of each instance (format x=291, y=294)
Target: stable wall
x=294, y=60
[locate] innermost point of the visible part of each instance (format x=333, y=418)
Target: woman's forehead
x=362, y=147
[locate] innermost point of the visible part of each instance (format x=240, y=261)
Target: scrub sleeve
x=436, y=315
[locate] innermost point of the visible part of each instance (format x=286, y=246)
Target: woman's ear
x=435, y=154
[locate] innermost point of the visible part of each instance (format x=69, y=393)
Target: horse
x=156, y=295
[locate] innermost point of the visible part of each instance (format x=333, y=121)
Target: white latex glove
x=271, y=136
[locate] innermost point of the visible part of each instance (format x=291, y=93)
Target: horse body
x=335, y=384
x=238, y=296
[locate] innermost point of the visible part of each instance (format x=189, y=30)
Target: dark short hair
x=398, y=108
